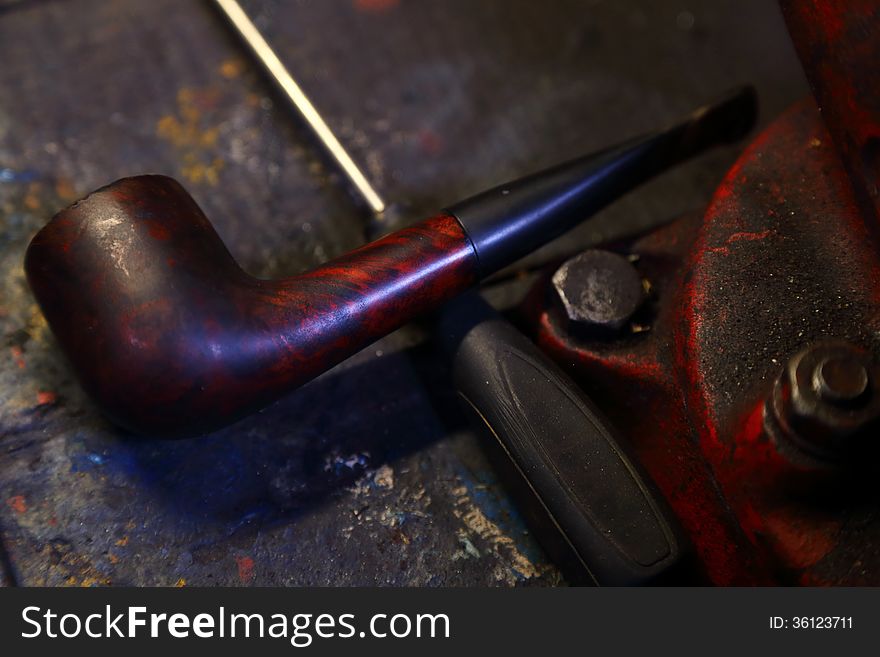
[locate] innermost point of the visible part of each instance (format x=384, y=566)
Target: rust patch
x=46, y=397
x=17, y=503
x=245, y=569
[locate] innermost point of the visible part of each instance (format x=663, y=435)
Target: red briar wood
x=175, y=339
x=170, y=336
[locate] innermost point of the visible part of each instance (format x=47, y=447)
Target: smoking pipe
x=172, y=338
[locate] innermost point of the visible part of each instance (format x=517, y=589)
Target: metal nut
x=827, y=399
x=599, y=292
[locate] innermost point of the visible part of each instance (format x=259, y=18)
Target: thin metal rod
x=282, y=77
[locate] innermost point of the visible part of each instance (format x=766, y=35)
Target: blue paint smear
x=13, y=176
x=86, y=462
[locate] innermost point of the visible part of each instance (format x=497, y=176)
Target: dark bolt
x=841, y=381
x=825, y=400
x=599, y=291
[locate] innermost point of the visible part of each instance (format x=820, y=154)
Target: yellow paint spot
x=180, y=583
x=231, y=68
x=196, y=143
x=65, y=190
x=122, y=542
x=32, y=199
x=199, y=172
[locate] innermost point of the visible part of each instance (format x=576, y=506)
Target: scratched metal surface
x=366, y=476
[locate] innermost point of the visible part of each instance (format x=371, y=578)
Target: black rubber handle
x=610, y=514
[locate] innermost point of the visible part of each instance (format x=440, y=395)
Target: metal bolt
x=841, y=380
x=599, y=292
x=825, y=402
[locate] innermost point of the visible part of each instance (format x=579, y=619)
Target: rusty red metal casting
x=770, y=466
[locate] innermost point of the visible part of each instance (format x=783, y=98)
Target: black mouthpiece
x=507, y=222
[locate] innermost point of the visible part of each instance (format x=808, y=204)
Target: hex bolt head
x=841, y=380
x=825, y=402
x=599, y=292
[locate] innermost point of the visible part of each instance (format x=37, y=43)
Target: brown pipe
x=172, y=338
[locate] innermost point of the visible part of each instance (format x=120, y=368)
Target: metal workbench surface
x=368, y=475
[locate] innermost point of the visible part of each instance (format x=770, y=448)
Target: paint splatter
x=476, y=522
x=13, y=176
x=45, y=397
x=18, y=356
x=384, y=477
x=470, y=549
x=196, y=143
x=17, y=503
x=339, y=464
x=232, y=68
x=245, y=569
x=65, y=190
